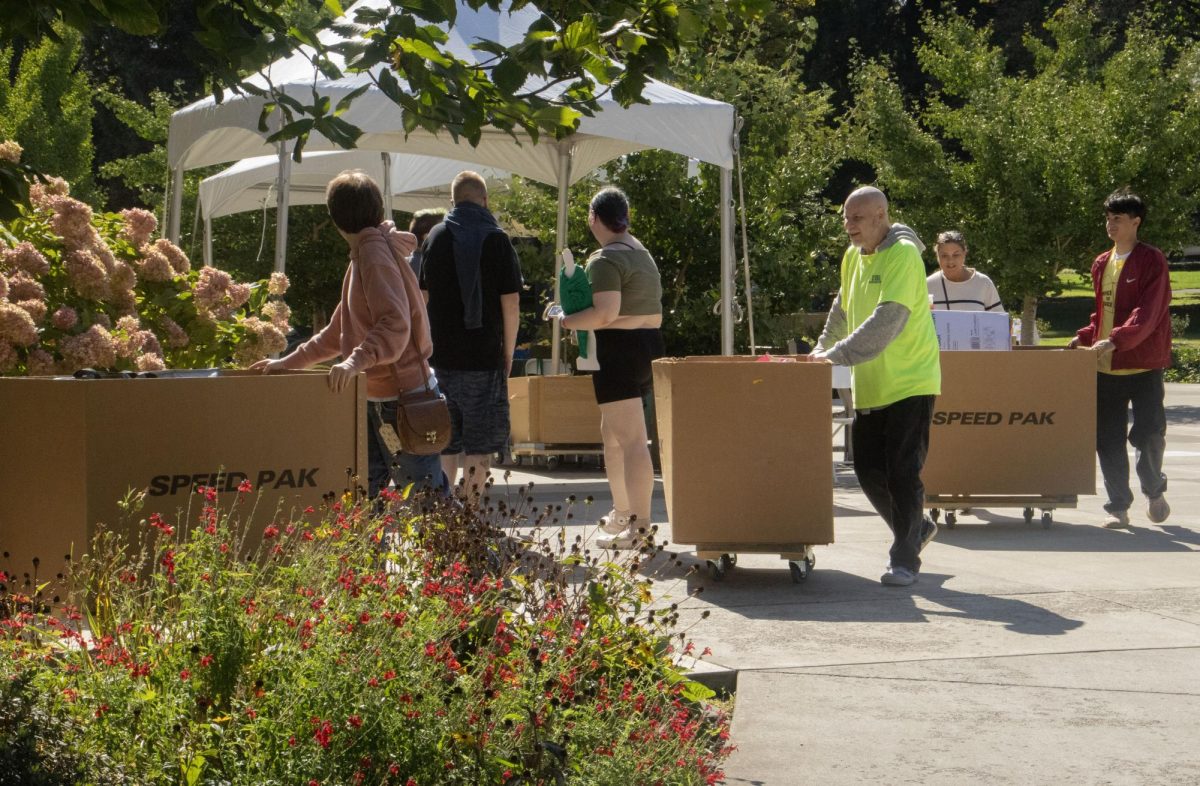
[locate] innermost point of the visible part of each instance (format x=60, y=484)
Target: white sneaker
x=628, y=538
x=615, y=523
x=1117, y=520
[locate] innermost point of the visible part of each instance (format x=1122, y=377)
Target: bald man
x=880, y=326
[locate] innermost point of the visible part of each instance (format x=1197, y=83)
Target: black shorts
x=624, y=357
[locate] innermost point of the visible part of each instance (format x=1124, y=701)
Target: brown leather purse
x=423, y=422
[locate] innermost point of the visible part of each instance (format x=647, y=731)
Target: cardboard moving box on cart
x=972, y=330
x=557, y=410
x=1014, y=423
x=746, y=449
x=74, y=448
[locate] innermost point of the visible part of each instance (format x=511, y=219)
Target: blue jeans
x=404, y=468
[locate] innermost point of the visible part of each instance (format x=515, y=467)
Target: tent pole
x=283, y=187
x=387, y=186
x=565, y=152
x=727, y=271
x=208, y=259
x=176, y=209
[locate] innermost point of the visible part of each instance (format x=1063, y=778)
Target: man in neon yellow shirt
x=880, y=326
x=1131, y=331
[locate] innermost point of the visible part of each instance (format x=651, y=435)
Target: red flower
x=364, y=618
x=185, y=675
x=355, y=721
x=323, y=732
x=270, y=532
x=244, y=487
x=206, y=660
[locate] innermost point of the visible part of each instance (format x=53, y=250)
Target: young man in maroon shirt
x=1131, y=332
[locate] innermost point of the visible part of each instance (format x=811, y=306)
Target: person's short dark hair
x=1125, y=202
x=468, y=186
x=952, y=236
x=425, y=220
x=611, y=206
x=354, y=201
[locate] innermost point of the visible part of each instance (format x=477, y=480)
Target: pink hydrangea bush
x=80, y=289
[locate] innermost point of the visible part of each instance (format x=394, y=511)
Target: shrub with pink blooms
x=80, y=289
x=412, y=643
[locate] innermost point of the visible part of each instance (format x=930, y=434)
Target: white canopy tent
x=410, y=182
x=208, y=132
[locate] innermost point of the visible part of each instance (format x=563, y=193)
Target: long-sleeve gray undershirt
x=868, y=340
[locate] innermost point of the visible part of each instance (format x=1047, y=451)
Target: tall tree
x=1022, y=162
x=48, y=110
x=590, y=49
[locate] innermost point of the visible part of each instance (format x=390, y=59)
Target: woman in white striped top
x=956, y=287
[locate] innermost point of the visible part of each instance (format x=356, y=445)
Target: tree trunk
x=1029, y=321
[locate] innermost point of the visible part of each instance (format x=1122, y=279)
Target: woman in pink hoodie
x=379, y=327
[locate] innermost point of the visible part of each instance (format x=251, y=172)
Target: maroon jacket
x=1141, y=321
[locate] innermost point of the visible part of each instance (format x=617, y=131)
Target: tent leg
x=208, y=256
x=387, y=186
x=565, y=152
x=727, y=272
x=283, y=187
x=176, y=205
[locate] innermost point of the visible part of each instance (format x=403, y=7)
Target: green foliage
x=1022, y=162
x=398, y=643
x=1185, y=364
x=48, y=110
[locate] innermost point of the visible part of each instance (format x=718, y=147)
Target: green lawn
x=1070, y=310
x=1076, y=285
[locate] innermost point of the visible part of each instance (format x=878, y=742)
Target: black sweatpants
x=890, y=444
x=1116, y=394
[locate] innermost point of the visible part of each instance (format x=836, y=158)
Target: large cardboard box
x=747, y=454
x=558, y=410
x=74, y=448
x=1014, y=423
x=972, y=330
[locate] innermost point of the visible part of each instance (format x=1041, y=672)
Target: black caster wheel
x=1047, y=519
x=800, y=570
x=716, y=569
x=1028, y=515
x=552, y=462
x=728, y=561
x=951, y=519
x=935, y=514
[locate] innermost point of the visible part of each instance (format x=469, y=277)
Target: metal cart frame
x=553, y=453
x=951, y=503
x=721, y=558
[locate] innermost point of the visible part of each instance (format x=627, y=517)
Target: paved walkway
x=1068, y=655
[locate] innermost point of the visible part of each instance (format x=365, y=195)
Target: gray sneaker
x=1118, y=519
x=929, y=531
x=1159, y=510
x=896, y=576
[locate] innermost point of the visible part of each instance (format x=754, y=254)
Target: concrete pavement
x=1023, y=655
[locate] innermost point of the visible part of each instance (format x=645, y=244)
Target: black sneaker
x=929, y=531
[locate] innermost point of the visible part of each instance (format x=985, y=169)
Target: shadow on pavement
x=996, y=532
x=835, y=596
x=1181, y=415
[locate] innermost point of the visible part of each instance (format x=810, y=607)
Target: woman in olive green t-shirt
x=626, y=314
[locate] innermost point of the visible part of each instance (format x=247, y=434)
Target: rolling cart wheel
x=516, y=460
x=1028, y=515
x=728, y=561
x=552, y=462
x=800, y=570
x=1047, y=518
x=951, y=519
x=716, y=570
x=935, y=514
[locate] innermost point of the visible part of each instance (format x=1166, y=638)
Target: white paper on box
x=967, y=330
